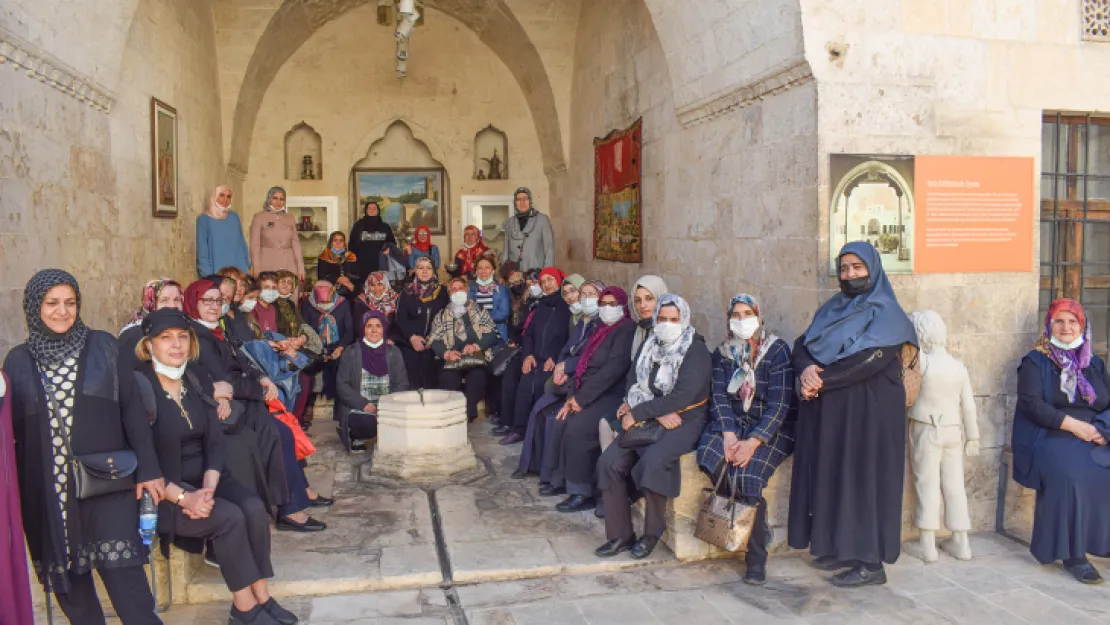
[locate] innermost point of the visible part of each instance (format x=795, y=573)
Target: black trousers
x=421, y=367
x=475, y=388
x=530, y=389
x=510, y=380
x=493, y=395
x=127, y=588
x=239, y=529
x=622, y=493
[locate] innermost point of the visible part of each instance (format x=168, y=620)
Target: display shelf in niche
x=317, y=217
x=304, y=156
x=491, y=154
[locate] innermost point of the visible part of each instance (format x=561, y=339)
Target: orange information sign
x=974, y=214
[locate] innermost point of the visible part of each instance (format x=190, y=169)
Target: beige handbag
x=911, y=371
x=723, y=521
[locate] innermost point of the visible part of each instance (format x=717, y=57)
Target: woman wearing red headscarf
x=422, y=246
x=1059, y=442
x=466, y=259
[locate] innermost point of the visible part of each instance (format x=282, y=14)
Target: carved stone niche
x=491, y=154
x=304, y=154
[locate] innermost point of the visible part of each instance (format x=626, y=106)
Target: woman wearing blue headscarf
x=846, y=489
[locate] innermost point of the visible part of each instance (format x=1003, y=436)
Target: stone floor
x=506, y=557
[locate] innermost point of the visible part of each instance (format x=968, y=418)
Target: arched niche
x=491, y=154
x=873, y=202
x=302, y=142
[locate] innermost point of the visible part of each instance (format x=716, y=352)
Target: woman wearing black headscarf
x=846, y=488
x=369, y=236
x=98, y=410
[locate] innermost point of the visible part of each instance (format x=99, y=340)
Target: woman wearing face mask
x=571, y=296
x=422, y=247
x=337, y=264
x=93, y=408
x=275, y=244
x=239, y=324
x=369, y=370
x=1059, y=442
x=752, y=414
x=417, y=307
x=545, y=333
x=220, y=241
x=492, y=296
x=598, y=377
x=846, y=486
x=669, y=383
x=329, y=314
x=463, y=329
x=473, y=248
x=202, y=500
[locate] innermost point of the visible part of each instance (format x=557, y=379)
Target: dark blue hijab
x=844, y=325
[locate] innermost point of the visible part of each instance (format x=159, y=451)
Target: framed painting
x=409, y=198
x=163, y=149
x=618, y=228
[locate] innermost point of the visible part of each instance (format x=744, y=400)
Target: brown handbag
x=911, y=372
x=724, y=522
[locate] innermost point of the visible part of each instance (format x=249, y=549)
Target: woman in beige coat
x=275, y=244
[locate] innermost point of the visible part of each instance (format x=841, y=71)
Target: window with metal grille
x=1075, y=216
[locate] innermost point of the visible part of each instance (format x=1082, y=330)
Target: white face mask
x=373, y=344
x=173, y=373
x=744, y=328
x=667, y=332
x=224, y=309
x=248, y=305
x=211, y=325
x=576, y=308
x=610, y=314
x=589, y=306
x=1062, y=345
x=458, y=298
x=535, y=290
x=488, y=281
x=269, y=295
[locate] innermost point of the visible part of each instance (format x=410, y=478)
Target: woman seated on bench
x=368, y=370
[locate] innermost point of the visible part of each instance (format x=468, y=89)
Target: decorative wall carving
x=304, y=153
x=1096, y=20
x=491, y=154
x=744, y=95
x=37, y=64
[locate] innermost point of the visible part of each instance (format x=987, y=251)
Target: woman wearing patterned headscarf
x=327, y=312
x=377, y=294
x=846, y=486
x=160, y=293
x=1059, y=442
x=669, y=383
x=275, y=244
x=93, y=407
x=751, y=418
x=417, y=308
x=473, y=247
x=220, y=241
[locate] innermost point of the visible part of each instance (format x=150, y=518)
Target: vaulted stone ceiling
x=492, y=20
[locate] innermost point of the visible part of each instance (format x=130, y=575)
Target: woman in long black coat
x=417, y=308
x=849, y=461
x=96, y=408
x=599, y=385
x=669, y=383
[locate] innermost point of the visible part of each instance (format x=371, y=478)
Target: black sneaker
x=756, y=575
x=255, y=616
x=859, y=576
x=279, y=614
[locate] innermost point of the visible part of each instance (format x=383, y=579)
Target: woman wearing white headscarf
x=220, y=241
x=668, y=388
x=275, y=244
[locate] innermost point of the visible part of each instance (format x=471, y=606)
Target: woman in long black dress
x=94, y=407
x=1062, y=388
x=846, y=489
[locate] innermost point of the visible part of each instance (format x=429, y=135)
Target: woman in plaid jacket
x=752, y=414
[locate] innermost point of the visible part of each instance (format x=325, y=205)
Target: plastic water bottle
x=148, y=518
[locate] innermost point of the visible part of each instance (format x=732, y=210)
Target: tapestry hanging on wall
x=618, y=229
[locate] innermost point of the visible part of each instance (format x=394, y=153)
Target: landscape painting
x=408, y=198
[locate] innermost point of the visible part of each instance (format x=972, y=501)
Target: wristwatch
x=180, y=497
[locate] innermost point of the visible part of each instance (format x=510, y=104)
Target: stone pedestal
x=422, y=438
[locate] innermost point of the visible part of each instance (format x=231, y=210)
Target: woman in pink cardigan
x=275, y=244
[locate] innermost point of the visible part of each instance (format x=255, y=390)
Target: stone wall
x=342, y=82
x=75, y=189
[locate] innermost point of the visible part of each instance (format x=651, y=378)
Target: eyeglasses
x=211, y=301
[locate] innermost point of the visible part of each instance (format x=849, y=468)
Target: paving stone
x=562, y=613
x=380, y=604
x=1037, y=607
x=618, y=610
x=496, y=560
x=499, y=616
x=683, y=606
x=962, y=606
x=977, y=578
x=501, y=593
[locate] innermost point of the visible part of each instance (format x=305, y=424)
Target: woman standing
x=93, y=408
x=337, y=264
x=417, y=307
x=369, y=370
x=220, y=241
x=422, y=247
x=473, y=248
x=846, y=488
x=669, y=384
x=1058, y=431
x=275, y=244
x=202, y=501
x=463, y=329
x=369, y=237
x=529, y=240
x=752, y=413
x=15, y=600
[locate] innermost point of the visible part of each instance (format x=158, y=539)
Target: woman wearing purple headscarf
x=15, y=595
x=368, y=370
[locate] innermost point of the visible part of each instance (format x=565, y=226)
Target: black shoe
x=829, y=563
x=285, y=524
x=320, y=502
x=519, y=474
x=255, y=616
x=644, y=547
x=756, y=575
x=279, y=614
x=512, y=438
x=576, y=503
x=614, y=547
x=858, y=576
x=500, y=430
x=358, y=446
x=1084, y=572
x=547, y=490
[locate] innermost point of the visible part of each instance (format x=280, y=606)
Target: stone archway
x=494, y=23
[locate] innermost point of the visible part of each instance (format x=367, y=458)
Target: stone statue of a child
x=943, y=428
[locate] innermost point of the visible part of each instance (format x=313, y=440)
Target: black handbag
x=100, y=473
x=644, y=433
x=502, y=358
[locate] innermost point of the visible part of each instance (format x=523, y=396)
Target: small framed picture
x=163, y=144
